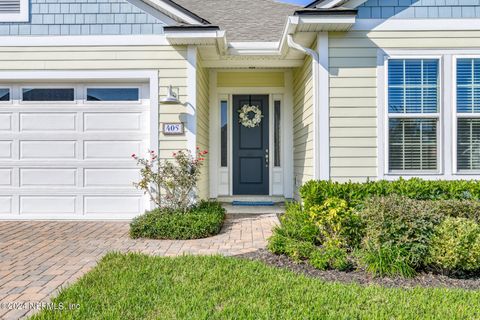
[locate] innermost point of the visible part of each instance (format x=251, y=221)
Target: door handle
x=266, y=158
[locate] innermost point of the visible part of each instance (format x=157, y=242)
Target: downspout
x=316, y=104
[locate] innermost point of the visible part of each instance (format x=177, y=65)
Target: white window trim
x=22, y=16
x=447, y=108
x=387, y=116
x=456, y=116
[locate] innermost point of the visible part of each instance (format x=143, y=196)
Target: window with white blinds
x=468, y=114
x=413, y=114
x=14, y=10
x=9, y=6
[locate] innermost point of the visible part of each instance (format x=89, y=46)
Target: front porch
x=256, y=160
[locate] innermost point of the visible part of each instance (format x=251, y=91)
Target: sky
x=301, y=2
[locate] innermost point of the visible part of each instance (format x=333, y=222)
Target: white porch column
x=322, y=154
x=191, y=104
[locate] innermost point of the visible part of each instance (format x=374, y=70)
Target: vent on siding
x=9, y=6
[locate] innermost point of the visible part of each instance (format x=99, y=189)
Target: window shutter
x=9, y=6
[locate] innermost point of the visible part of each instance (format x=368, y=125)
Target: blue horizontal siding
x=420, y=9
x=84, y=17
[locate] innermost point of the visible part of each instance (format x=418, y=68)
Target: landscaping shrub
x=295, y=249
x=322, y=258
x=386, y=260
x=316, y=192
x=339, y=226
x=401, y=223
x=387, y=228
x=296, y=224
x=330, y=257
x=201, y=221
x=456, y=245
x=469, y=209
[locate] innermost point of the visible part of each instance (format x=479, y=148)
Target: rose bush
x=171, y=184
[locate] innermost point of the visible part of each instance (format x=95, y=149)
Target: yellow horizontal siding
x=303, y=123
x=353, y=91
x=203, y=125
x=251, y=79
x=169, y=61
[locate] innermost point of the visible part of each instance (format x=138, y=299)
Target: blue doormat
x=253, y=203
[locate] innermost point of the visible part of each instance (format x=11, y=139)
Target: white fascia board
x=416, y=24
x=92, y=40
x=198, y=37
x=174, y=11
x=198, y=34
x=352, y=4
x=327, y=20
x=330, y=4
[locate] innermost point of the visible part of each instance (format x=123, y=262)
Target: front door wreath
x=247, y=119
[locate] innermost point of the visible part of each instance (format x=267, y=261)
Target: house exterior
x=342, y=90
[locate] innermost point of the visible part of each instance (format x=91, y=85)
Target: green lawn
x=140, y=287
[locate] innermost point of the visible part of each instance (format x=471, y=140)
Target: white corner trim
x=381, y=94
x=416, y=24
x=191, y=125
x=22, y=16
x=214, y=135
x=288, y=162
x=322, y=157
x=93, y=40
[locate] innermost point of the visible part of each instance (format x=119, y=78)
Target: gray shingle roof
x=244, y=20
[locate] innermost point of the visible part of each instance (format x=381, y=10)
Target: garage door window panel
x=4, y=94
x=48, y=94
x=113, y=94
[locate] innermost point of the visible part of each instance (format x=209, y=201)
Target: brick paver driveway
x=37, y=258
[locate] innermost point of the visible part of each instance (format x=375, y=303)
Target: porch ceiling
x=256, y=55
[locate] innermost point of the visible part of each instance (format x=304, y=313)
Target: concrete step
x=254, y=210
x=230, y=199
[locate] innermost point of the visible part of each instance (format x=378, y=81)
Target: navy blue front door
x=250, y=149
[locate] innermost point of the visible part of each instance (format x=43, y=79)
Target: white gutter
x=321, y=116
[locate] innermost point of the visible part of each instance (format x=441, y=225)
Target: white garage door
x=65, y=150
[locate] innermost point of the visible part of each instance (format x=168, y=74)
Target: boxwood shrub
x=455, y=246
x=401, y=223
x=404, y=226
x=204, y=220
x=316, y=192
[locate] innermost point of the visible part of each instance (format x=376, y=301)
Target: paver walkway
x=39, y=257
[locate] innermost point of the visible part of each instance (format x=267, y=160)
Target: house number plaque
x=173, y=128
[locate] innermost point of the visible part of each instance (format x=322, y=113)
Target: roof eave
x=193, y=35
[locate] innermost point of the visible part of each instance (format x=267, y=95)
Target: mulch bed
x=362, y=278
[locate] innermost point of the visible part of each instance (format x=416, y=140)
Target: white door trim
x=217, y=94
